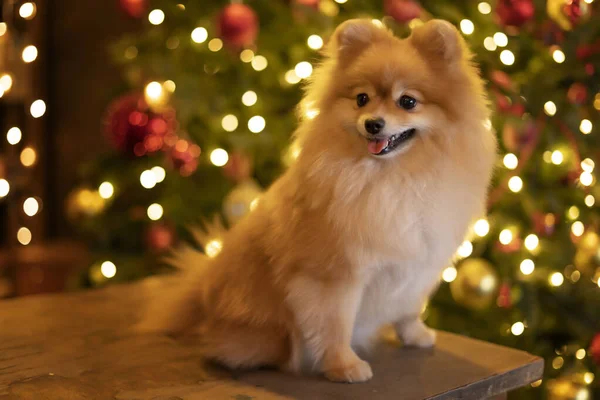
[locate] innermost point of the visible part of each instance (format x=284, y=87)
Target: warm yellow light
x=586, y=178
x=484, y=8
x=24, y=236
x=588, y=377
x=215, y=44
x=303, y=69
x=481, y=227
x=550, y=108
x=467, y=27
x=589, y=1
x=159, y=173
x=507, y=57
x=465, y=249
x=256, y=124
x=131, y=52
x=154, y=90
x=38, y=108
x=556, y=279
x=547, y=156
x=531, y=242
x=557, y=157
x=148, y=179
x=341, y=1
x=517, y=328
x=155, y=211
x=31, y=206
x=6, y=82
x=229, y=123
x=577, y=228
x=4, y=187
x=558, y=362
x=28, y=157
x=527, y=267
x=489, y=43
x=14, y=135
x=29, y=54
x=291, y=77
x=199, y=35
x=213, y=247
x=449, y=274
x=169, y=86
x=500, y=39
x=580, y=354
x=515, y=184
x=506, y=236
x=249, y=98
x=588, y=165
x=108, y=269
x=246, y=55
x=315, y=42
x=586, y=126
x=537, y=383
x=219, y=157
x=259, y=63
x=573, y=212
x=558, y=56
x=590, y=200
x=156, y=17
x=510, y=161
x=3, y=28
x=106, y=190
x=27, y=10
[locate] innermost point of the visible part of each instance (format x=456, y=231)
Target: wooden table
x=76, y=346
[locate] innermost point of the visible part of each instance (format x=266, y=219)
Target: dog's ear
x=439, y=41
x=353, y=36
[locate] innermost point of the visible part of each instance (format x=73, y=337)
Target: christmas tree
x=205, y=116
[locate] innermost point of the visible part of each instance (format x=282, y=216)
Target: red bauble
x=160, y=237
x=134, y=129
x=402, y=11
x=514, y=12
x=577, y=93
x=308, y=3
x=594, y=349
x=504, y=296
x=575, y=10
x=502, y=79
x=238, y=25
x=134, y=8
x=184, y=157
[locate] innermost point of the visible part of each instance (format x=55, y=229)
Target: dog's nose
x=374, y=125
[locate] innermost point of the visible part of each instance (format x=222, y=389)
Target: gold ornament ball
x=568, y=387
x=475, y=285
x=241, y=200
x=84, y=202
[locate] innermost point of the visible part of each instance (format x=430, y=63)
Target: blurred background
x=125, y=124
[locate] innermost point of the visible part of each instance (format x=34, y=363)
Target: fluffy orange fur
x=347, y=241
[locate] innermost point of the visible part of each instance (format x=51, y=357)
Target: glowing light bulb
x=507, y=57
x=556, y=279
x=291, y=77
x=527, y=267
x=315, y=42
x=558, y=362
x=106, y=190
x=510, y=161
x=249, y=98
x=550, y=108
x=3, y=28
x=531, y=242
x=156, y=17
x=213, y=248
x=215, y=44
x=6, y=82
x=590, y=200
x=159, y=173
x=577, y=228
x=586, y=178
x=229, y=123
x=219, y=157
x=28, y=157
x=246, y=55
x=515, y=184
x=259, y=63
x=31, y=206
x=341, y=1
x=465, y=249
x=505, y=237
x=24, y=236
x=199, y=35
x=38, y=108
x=14, y=135
x=481, y=227
x=500, y=39
x=489, y=43
x=573, y=212
x=169, y=86
x=558, y=56
x=588, y=165
x=580, y=354
x=108, y=269
x=557, y=157
x=256, y=124
x=517, y=328
x=449, y=274
x=29, y=54
x=155, y=211
x=4, y=187
x=484, y=8
x=586, y=126
x=27, y=10
x=588, y=377
x=467, y=27
x=148, y=179
x=303, y=69
x=154, y=90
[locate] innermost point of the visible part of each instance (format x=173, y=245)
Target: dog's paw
x=417, y=334
x=359, y=371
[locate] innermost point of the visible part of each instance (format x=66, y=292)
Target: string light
x=505, y=237
x=256, y=124
x=489, y=43
x=557, y=157
x=169, y=86
x=159, y=173
x=500, y=39
x=14, y=135
x=38, y=108
x=28, y=157
x=517, y=328
x=586, y=178
x=148, y=179
x=315, y=42
x=199, y=35
x=156, y=17
x=515, y=184
x=154, y=90
x=246, y=55
x=590, y=200
x=4, y=187
x=507, y=57
x=510, y=161
x=588, y=377
x=580, y=354
x=527, y=267
x=249, y=98
x=531, y=242
x=155, y=211
x=550, y=108
x=449, y=274
x=106, y=190
x=558, y=56
x=291, y=77
x=108, y=269
x=586, y=126
x=229, y=123
x=556, y=279
x=481, y=227
x=24, y=236
x=3, y=28
x=303, y=69
x=558, y=362
x=31, y=206
x=588, y=165
x=213, y=247
x=27, y=10
x=573, y=212
x=215, y=44
x=259, y=63
x=465, y=249
x=6, y=82
x=484, y=8
x=467, y=27
x=341, y=1
x=219, y=157
x=29, y=54
x=577, y=228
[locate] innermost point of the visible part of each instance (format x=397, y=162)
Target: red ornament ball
x=238, y=25
x=184, y=157
x=577, y=93
x=504, y=296
x=159, y=237
x=402, y=11
x=134, y=8
x=514, y=12
x=594, y=349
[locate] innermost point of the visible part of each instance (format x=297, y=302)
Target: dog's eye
x=362, y=99
x=407, y=102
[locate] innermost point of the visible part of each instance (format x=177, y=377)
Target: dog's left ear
x=439, y=41
x=354, y=36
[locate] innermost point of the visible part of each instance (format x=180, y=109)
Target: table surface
x=77, y=346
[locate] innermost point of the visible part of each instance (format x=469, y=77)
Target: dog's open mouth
x=380, y=147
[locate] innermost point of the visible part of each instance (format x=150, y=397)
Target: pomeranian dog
x=355, y=234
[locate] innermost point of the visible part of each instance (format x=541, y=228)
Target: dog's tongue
x=375, y=146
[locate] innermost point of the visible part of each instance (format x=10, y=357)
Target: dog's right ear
x=352, y=37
